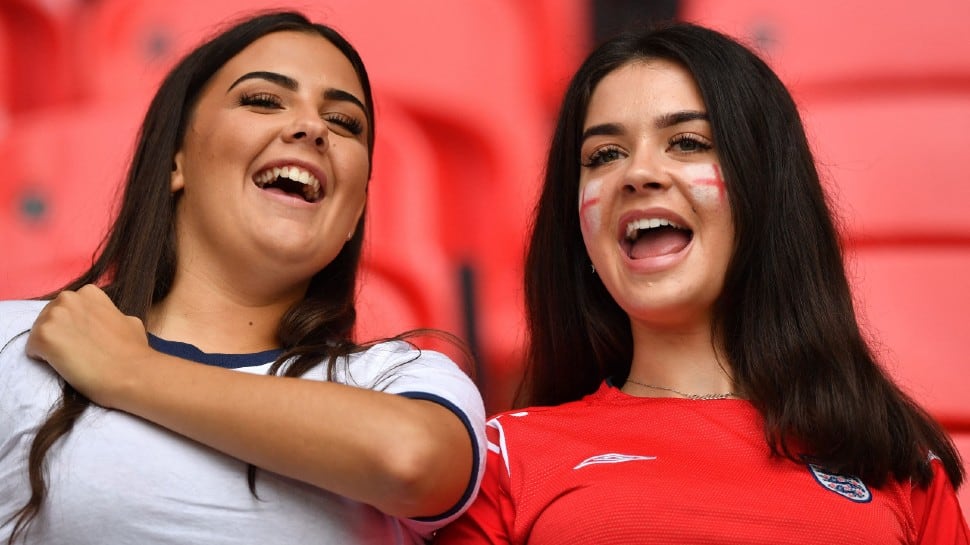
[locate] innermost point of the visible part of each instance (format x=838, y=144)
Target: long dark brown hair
x=137, y=259
x=785, y=314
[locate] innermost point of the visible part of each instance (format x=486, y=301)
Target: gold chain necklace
x=695, y=397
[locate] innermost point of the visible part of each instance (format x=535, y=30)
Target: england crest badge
x=848, y=487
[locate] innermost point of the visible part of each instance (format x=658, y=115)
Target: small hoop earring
x=592, y=268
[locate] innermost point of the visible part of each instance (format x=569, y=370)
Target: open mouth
x=652, y=237
x=290, y=179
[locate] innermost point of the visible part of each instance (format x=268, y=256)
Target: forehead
x=641, y=88
x=304, y=56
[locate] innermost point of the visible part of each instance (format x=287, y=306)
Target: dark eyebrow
x=339, y=94
x=604, y=129
x=663, y=122
x=279, y=79
x=291, y=84
x=675, y=118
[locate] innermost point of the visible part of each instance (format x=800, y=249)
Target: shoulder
x=550, y=418
x=26, y=385
x=397, y=367
x=17, y=317
x=401, y=353
x=385, y=362
x=936, y=513
x=519, y=431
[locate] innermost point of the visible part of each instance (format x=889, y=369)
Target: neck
x=217, y=318
x=679, y=364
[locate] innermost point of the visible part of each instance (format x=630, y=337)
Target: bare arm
x=406, y=457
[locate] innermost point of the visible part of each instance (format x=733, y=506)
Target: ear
x=178, y=172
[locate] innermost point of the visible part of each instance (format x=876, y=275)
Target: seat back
x=62, y=171
x=828, y=44
x=912, y=301
x=407, y=281
x=890, y=163
x=39, y=55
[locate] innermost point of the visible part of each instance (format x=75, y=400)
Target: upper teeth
x=648, y=223
x=294, y=173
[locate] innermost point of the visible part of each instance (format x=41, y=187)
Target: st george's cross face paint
x=705, y=184
x=590, y=215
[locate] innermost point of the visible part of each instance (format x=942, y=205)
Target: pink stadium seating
x=128, y=46
x=407, y=280
x=562, y=35
x=39, y=69
x=892, y=163
x=834, y=44
x=61, y=170
x=6, y=75
x=913, y=301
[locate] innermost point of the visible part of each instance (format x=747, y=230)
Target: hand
x=89, y=342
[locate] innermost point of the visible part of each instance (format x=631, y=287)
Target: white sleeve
x=398, y=368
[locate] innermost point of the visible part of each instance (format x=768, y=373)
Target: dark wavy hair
x=136, y=261
x=785, y=314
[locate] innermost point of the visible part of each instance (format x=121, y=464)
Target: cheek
x=706, y=185
x=589, y=207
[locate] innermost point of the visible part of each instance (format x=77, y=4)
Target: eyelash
x=350, y=124
x=602, y=155
x=599, y=157
x=701, y=143
x=266, y=100
x=260, y=100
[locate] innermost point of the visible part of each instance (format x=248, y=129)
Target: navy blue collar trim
x=229, y=361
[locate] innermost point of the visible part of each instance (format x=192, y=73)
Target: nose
x=645, y=173
x=311, y=130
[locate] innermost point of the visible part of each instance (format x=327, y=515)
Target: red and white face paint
x=706, y=185
x=589, y=206
x=654, y=210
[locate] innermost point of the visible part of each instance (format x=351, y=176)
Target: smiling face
x=274, y=164
x=653, y=208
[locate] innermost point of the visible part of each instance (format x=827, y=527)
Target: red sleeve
x=489, y=519
x=936, y=511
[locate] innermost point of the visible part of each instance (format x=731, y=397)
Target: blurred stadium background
x=466, y=95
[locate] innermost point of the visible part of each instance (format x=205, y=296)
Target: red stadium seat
x=6, y=75
x=127, y=47
x=913, y=301
x=57, y=189
x=845, y=44
x=40, y=67
x=407, y=281
x=892, y=163
x=562, y=33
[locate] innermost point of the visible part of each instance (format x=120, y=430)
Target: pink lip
x=310, y=167
x=657, y=263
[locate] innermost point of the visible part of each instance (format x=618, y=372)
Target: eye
x=601, y=156
x=349, y=124
x=267, y=101
x=690, y=143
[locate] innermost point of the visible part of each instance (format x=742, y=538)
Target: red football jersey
x=618, y=469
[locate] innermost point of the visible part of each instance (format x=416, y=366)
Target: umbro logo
x=612, y=458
